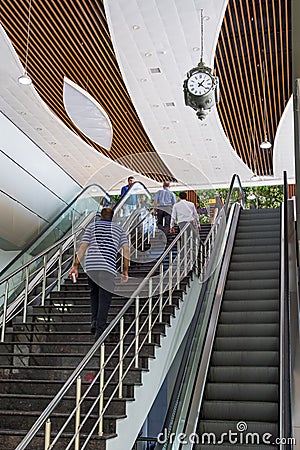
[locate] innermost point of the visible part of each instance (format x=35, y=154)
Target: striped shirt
x=165, y=197
x=104, y=239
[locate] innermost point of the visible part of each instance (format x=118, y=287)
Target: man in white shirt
x=184, y=212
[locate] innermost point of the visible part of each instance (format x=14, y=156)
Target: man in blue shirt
x=130, y=203
x=164, y=200
x=101, y=242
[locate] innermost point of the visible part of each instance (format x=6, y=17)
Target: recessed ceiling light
x=155, y=70
x=148, y=54
x=135, y=27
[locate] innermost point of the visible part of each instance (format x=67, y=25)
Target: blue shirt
x=104, y=239
x=165, y=197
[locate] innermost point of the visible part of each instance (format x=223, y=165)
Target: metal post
x=101, y=397
x=161, y=289
x=121, y=356
x=191, y=248
x=178, y=264
x=44, y=279
x=47, y=434
x=77, y=417
x=170, y=276
x=150, y=312
x=136, y=242
x=4, y=312
x=59, y=268
x=137, y=327
x=143, y=237
x=26, y=293
x=185, y=252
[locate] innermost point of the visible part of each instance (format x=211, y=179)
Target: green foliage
x=255, y=196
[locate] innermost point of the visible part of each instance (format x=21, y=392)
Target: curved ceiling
x=165, y=139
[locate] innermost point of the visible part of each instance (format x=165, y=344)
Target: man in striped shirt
x=101, y=242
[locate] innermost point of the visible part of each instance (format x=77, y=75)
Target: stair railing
x=150, y=301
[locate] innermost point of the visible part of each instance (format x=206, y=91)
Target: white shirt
x=184, y=211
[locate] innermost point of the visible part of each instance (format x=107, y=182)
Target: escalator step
x=235, y=374
x=235, y=410
x=248, y=284
x=244, y=358
x=250, y=294
x=251, y=343
x=250, y=305
x=218, y=427
x=261, y=329
x=254, y=274
x=259, y=249
x=255, y=257
x=236, y=317
x=242, y=391
x=243, y=266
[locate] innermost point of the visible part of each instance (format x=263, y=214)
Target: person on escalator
x=101, y=242
x=163, y=201
x=130, y=203
x=184, y=212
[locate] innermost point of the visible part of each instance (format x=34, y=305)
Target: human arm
x=173, y=218
x=196, y=217
x=80, y=254
x=126, y=259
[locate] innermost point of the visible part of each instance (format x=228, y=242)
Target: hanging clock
x=201, y=89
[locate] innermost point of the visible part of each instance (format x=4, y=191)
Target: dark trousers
x=102, y=284
x=164, y=218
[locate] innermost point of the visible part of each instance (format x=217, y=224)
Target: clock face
x=200, y=83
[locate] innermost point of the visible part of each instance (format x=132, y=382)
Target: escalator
x=242, y=387
x=234, y=391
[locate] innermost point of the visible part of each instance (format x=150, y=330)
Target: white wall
x=33, y=188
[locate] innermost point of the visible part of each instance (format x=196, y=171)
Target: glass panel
x=133, y=205
x=90, y=201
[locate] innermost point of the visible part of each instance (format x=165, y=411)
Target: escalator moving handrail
x=285, y=382
x=19, y=255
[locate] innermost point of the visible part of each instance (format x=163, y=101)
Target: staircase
x=242, y=388
x=39, y=356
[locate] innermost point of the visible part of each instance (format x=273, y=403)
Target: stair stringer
x=128, y=429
